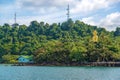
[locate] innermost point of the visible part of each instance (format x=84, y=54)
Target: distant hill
x=60, y=42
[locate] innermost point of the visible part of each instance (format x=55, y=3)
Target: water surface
x=58, y=73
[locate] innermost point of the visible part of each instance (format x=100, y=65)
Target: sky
x=101, y=13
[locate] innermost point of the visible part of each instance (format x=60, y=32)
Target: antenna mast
x=68, y=12
x=15, y=18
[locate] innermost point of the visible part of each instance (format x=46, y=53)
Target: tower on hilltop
x=68, y=12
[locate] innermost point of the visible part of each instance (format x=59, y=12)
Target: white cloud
x=50, y=18
x=43, y=6
x=110, y=22
x=92, y=5
x=44, y=3
x=76, y=6
x=89, y=20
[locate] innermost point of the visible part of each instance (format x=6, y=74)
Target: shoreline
x=91, y=64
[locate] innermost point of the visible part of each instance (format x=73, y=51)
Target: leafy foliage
x=66, y=42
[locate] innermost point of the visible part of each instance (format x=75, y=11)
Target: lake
x=58, y=73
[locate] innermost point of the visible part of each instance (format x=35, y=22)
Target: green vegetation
x=67, y=42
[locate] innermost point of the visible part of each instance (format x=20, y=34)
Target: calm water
x=58, y=73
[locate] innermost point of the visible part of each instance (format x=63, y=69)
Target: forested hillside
x=67, y=42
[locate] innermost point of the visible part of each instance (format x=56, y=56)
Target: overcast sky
x=103, y=13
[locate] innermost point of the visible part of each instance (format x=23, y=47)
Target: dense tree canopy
x=66, y=42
